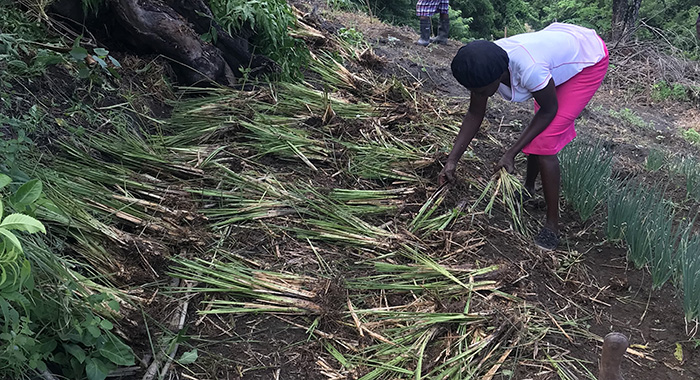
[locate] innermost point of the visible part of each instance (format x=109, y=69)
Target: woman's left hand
x=507, y=162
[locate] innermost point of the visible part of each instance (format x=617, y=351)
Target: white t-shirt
x=557, y=52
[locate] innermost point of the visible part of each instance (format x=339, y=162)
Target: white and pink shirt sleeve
x=557, y=52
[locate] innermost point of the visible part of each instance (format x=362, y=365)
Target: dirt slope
x=601, y=283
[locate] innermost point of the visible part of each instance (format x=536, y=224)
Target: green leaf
x=76, y=351
x=114, y=62
x=114, y=305
x=101, y=61
x=22, y=222
x=188, y=357
x=10, y=237
x=4, y=180
x=25, y=274
x=40, y=365
x=101, y=52
x=78, y=53
x=107, y=325
x=27, y=194
x=678, y=353
x=117, y=352
x=94, y=331
x=96, y=369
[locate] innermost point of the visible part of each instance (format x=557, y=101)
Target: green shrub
x=585, y=171
x=46, y=315
x=352, y=37
x=271, y=19
x=663, y=91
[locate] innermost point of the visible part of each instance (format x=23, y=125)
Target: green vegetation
x=271, y=19
x=655, y=160
x=673, y=21
x=692, y=136
x=690, y=274
x=505, y=186
x=585, y=172
x=52, y=315
x=630, y=117
x=664, y=91
x=301, y=199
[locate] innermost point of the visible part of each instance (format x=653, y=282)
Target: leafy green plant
x=650, y=211
x=42, y=320
x=352, y=36
x=425, y=223
x=271, y=19
x=585, y=172
x=663, y=91
x=506, y=186
x=94, y=66
x=690, y=169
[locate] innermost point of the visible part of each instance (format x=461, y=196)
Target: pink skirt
x=572, y=97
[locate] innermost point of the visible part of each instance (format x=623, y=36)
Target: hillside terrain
x=296, y=230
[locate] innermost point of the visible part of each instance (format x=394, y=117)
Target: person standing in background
x=426, y=9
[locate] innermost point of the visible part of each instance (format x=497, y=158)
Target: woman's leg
x=533, y=170
x=551, y=179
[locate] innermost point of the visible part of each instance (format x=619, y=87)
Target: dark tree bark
x=173, y=28
x=625, y=14
x=697, y=26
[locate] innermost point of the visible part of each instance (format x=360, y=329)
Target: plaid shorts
x=427, y=8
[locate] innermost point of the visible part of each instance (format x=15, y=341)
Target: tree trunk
x=625, y=14
x=173, y=28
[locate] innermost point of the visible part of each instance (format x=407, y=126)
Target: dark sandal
x=547, y=239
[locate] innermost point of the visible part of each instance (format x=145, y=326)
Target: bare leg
x=533, y=170
x=551, y=178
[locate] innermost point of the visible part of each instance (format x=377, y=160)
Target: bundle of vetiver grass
x=508, y=191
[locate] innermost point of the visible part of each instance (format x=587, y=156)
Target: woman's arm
x=547, y=99
x=470, y=125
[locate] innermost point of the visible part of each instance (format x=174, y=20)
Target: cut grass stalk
x=381, y=155
x=253, y=290
x=424, y=222
x=370, y=202
x=510, y=190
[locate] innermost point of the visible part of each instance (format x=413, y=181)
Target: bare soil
x=588, y=279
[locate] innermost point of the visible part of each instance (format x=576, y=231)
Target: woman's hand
x=448, y=173
x=507, y=162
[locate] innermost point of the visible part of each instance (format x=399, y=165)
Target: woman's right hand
x=448, y=173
